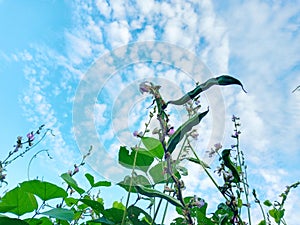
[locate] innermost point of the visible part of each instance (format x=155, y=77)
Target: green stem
x=206, y=171
x=243, y=177
x=156, y=211
x=132, y=174
x=165, y=213
x=263, y=212
x=129, y=191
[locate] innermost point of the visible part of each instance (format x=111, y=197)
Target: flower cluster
x=214, y=150
x=235, y=120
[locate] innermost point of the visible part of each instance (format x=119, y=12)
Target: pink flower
x=200, y=203
x=137, y=134
x=76, y=170
x=171, y=131
x=194, y=134
x=145, y=87
x=30, y=136
x=218, y=146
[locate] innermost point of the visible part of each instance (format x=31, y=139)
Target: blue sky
x=49, y=48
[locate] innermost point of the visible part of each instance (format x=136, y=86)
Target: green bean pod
x=230, y=165
x=154, y=193
x=182, y=130
x=221, y=80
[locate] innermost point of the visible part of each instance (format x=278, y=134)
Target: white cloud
x=79, y=48
x=103, y=8
x=99, y=111
x=118, y=33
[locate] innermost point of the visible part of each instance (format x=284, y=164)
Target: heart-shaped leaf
x=43, y=189
x=153, y=146
x=18, y=202
x=137, y=180
x=135, y=159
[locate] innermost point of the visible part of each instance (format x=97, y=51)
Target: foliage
x=156, y=177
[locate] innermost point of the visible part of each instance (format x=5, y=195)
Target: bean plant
x=158, y=162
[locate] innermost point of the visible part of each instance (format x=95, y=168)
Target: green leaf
x=183, y=129
x=12, y=221
x=159, y=175
x=70, y=201
x=102, y=184
x=135, y=213
x=276, y=214
x=178, y=221
x=59, y=213
x=154, y=146
x=113, y=214
x=32, y=221
x=18, y=202
x=142, y=161
x=240, y=203
x=137, y=180
x=96, y=206
x=72, y=183
x=263, y=222
x=118, y=205
x=202, y=219
x=90, y=178
x=268, y=203
x=44, y=190
x=182, y=170
x=101, y=220
x=222, y=214
x=154, y=193
x=200, y=162
x=40, y=221
x=45, y=221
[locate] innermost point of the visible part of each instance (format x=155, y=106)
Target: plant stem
x=165, y=213
x=243, y=177
x=206, y=171
x=132, y=174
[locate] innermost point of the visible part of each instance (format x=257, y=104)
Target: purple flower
x=171, y=131
x=194, y=134
x=218, y=146
x=16, y=148
x=234, y=118
x=76, y=170
x=236, y=134
x=145, y=87
x=200, y=203
x=137, y=134
x=30, y=136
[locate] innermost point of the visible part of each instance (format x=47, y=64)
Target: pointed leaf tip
x=228, y=80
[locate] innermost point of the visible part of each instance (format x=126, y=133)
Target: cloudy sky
x=76, y=66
